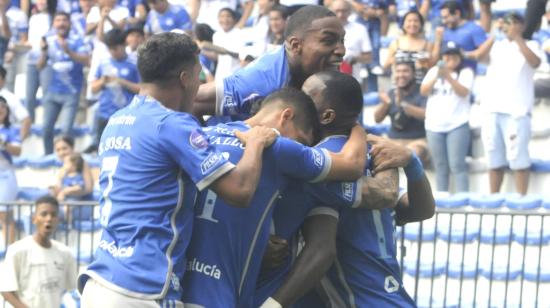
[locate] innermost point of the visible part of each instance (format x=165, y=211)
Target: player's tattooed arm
x=381, y=190
x=319, y=252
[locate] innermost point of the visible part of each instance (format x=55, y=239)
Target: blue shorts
x=506, y=141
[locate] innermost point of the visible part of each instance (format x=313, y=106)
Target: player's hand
x=260, y=134
x=387, y=154
x=276, y=252
x=384, y=97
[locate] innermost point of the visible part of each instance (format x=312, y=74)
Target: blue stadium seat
x=482, y=201
x=48, y=161
x=533, y=236
x=385, y=41
x=436, y=301
x=2, y=253
x=454, y=201
x=538, y=165
x=425, y=269
x=467, y=270
x=78, y=131
x=371, y=99
x=96, y=194
x=87, y=225
x=20, y=162
x=457, y=232
x=502, y=235
x=524, y=202
x=86, y=256
x=481, y=69
x=412, y=232
x=378, y=129
x=546, y=202
x=501, y=272
x=31, y=193
x=533, y=273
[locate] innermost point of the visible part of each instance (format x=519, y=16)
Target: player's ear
x=287, y=114
x=294, y=45
x=327, y=116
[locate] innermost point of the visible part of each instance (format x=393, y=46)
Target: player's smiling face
x=323, y=46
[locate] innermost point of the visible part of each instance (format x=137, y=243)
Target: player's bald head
x=300, y=22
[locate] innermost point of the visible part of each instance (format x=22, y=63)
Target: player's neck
x=41, y=240
x=167, y=96
x=334, y=131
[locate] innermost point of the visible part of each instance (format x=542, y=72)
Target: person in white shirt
x=18, y=113
x=508, y=99
x=209, y=10
x=447, y=87
x=230, y=38
x=37, y=269
x=357, y=42
x=17, y=47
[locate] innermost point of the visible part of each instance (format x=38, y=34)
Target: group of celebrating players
x=243, y=212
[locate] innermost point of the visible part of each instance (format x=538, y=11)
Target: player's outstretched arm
x=381, y=190
x=349, y=164
x=311, y=265
x=239, y=185
x=418, y=204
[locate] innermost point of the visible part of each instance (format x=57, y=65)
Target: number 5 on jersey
x=108, y=165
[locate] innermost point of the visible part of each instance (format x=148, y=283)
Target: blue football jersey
x=175, y=17
x=227, y=246
x=153, y=161
x=9, y=135
x=236, y=94
x=366, y=272
x=298, y=203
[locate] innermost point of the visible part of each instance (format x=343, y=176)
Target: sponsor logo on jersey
x=117, y=252
x=317, y=158
x=198, y=140
x=210, y=162
x=203, y=268
x=390, y=284
x=229, y=106
x=347, y=191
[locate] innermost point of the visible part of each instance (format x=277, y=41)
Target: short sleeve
x=466, y=78
x=8, y=272
x=13, y=137
x=302, y=162
x=336, y=194
x=98, y=72
x=430, y=75
x=185, y=20
x=323, y=210
x=479, y=36
x=537, y=50
x=17, y=109
x=188, y=145
x=235, y=95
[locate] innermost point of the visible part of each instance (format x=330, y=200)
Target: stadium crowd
x=256, y=62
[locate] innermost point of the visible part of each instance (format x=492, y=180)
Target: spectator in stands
x=448, y=87
x=431, y=10
x=277, y=24
x=10, y=144
x=230, y=38
x=38, y=269
x=210, y=9
x=204, y=33
x=78, y=19
x=39, y=26
x=357, y=42
x=5, y=32
x=469, y=36
x=66, y=55
x=137, y=10
x=485, y=14
x=260, y=23
x=412, y=46
x=533, y=13
x=18, y=112
x=406, y=108
x=134, y=37
x=371, y=12
x=17, y=46
x=117, y=80
x=508, y=98
x=165, y=17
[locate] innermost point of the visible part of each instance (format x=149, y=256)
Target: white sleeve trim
x=323, y=210
x=223, y=169
x=358, y=193
x=402, y=193
x=326, y=168
x=219, y=96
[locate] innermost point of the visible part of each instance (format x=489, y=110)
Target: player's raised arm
x=349, y=164
x=238, y=186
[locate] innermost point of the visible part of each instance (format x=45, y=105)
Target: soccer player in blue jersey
x=227, y=244
x=154, y=159
x=314, y=42
x=339, y=100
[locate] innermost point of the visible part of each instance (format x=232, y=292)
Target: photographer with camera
x=447, y=86
x=406, y=108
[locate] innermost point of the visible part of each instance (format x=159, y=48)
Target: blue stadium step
x=87, y=225
x=533, y=236
x=412, y=232
x=546, y=202
x=482, y=201
x=501, y=235
x=538, y=165
x=20, y=162
x=453, y=201
x=31, y=193
x=78, y=131
x=535, y=273
x=436, y=301
x=48, y=161
x=519, y=202
x=466, y=270
x=371, y=99
x=457, y=232
x=424, y=269
x=501, y=272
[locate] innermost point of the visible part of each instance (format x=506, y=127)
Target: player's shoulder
x=332, y=143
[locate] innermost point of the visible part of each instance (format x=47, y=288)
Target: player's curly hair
x=163, y=56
